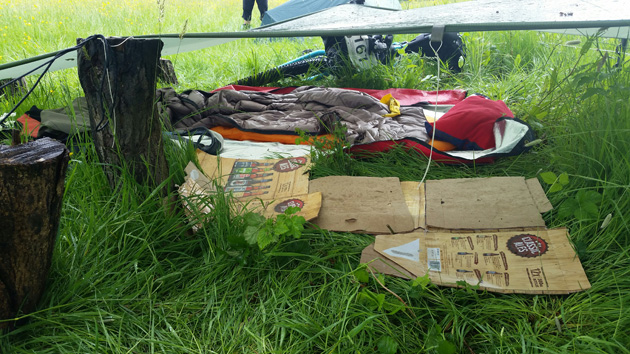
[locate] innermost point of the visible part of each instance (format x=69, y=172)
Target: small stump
x=31, y=192
x=166, y=73
x=17, y=88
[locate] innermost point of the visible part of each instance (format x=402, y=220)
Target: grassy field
x=126, y=278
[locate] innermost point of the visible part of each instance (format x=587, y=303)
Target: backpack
x=450, y=50
x=366, y=51
x=361, y=52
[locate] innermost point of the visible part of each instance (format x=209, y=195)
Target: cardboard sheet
x=538, y=195
x=269, y=179
x=362, y=204
x=531, y=262
x=414, y=197
x=268, y=186
x=380, y=264
x=194, y=194
x=485, y=203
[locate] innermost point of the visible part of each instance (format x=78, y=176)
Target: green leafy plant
x=372, y=300
x=378, y=302
x=267, y=232
x=584, y=206
x=423, y=282
x=555, y=182
x=436, y=341
x=469, y=288
x=387, y=345
x=258, y=235
x=361, y=274
x=418, y=288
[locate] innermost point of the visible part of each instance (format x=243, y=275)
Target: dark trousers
x=248, y=6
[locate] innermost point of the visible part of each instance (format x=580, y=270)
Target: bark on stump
x=166, y=74
x=31, y=191
x=17, y=88
x=126, y=127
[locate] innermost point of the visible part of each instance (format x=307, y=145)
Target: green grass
x=128, y=277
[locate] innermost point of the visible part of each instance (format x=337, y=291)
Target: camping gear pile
x=467, y=129
x=472, y=129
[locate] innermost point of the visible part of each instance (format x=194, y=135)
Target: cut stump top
x=33, y=152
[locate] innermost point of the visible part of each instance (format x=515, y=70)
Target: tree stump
x=31, y=192
x=119, y=81
x=166, y=74
x=17, y=88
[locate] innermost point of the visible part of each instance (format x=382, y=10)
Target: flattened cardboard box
x=267, y=186
x=362, y=204
x=469, y=225
x=466, y=204
x=377, y=205
x=531, y=262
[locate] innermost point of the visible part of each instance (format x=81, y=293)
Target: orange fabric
x=237, y=134
x=30, y=126
x=442, y=145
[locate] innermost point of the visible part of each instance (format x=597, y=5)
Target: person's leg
x=248, y=6
x=262, y=7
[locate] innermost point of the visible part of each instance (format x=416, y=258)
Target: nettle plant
x=268, y=232
x=260, y=236
x=583, y=206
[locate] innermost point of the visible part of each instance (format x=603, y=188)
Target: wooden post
x=119, y=81
x=31, y=191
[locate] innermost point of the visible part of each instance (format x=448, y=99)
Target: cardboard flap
x=199, y=178
x=481, y=203
x=529, y=262
x=538, y=195
x=380, y=264
x=404, y=250
x=269, y=179
x=362, y=204
x=268, y=187
x=309, y=205
x=415, y=199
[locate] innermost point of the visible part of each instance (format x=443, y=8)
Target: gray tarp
x=297, y=8
x=570, y=16
x=471, y=16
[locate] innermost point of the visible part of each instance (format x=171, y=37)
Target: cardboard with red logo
x=483, y=231
x=530, y=262
x=267, y=186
